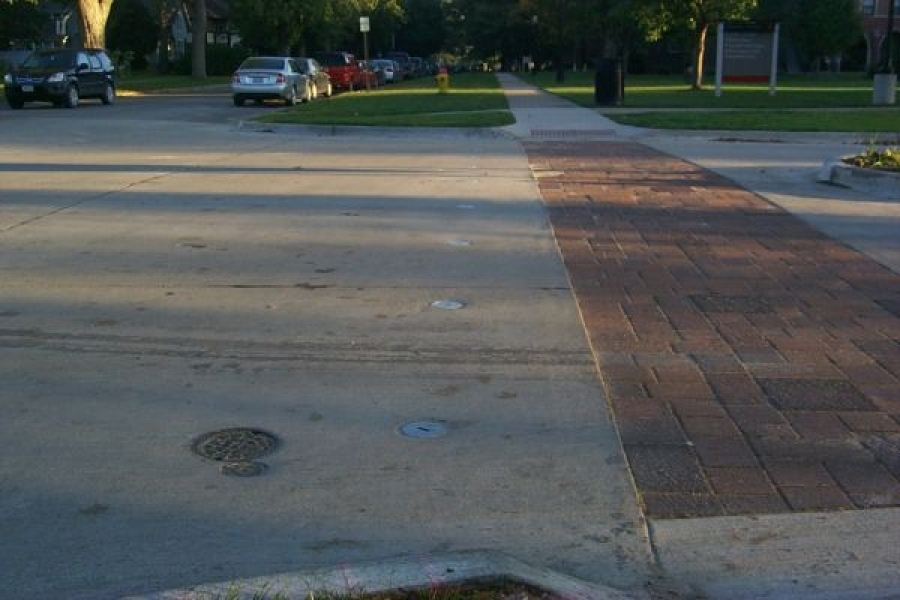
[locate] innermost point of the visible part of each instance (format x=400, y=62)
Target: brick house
x=875, y=25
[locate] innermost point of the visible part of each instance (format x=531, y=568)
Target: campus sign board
x=747, y=53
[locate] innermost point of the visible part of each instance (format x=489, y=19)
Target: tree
x=698, y=16
x=271, y=26
x=423, y=31
x=826, y=27
x=198, y=39
x=21, y=22
x=93, y=17
x=131, y=28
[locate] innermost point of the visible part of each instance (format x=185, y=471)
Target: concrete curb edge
x=425, y=572
x=886, y=184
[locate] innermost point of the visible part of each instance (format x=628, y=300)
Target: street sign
x=364, y=24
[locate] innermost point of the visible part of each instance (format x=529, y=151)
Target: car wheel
x=238, y=100
x=71, y=99
x=313, y=92
x=15, y=103
x=329, y=90
x=109, y=94
x=291, y=99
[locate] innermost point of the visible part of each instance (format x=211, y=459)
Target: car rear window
x=333, y=59
x=272, y=64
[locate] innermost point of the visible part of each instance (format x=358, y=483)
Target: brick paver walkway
x=750, y=362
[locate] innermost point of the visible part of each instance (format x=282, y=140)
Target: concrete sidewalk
x=751, y=362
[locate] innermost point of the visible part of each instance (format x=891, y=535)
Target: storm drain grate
x=238, y=448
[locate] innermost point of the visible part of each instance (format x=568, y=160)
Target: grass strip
x=875, y=122
x=474, y=100
x=144, y=83
x=814, y=103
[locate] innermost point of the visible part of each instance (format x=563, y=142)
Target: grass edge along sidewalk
x=802, y=103
x=474, y=100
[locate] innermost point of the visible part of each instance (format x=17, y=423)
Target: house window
x=868, y=7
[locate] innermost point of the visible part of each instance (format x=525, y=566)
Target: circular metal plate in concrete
x=448, y=304
x=423, y=430
x=235, y=445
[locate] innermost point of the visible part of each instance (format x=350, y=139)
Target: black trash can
x=609, y=82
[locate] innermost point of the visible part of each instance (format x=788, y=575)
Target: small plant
x=887, y=159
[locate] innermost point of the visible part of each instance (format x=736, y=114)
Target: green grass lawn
x=474, y=100
x=841, y=103
x=150, y=82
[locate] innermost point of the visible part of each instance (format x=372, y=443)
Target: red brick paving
x=750, y=362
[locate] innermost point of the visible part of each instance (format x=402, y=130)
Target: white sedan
x=263, y=78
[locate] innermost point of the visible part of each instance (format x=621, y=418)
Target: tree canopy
x=555, y=32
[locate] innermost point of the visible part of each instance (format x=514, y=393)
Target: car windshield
x=269, y=64
x=62, y=60
x=302, y=66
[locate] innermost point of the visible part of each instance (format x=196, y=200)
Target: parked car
x=318, y=80
x=368, y=78
x=261, y=78
x=402, y=59
x=62, y=76
x=385, y=69
x=342, y=68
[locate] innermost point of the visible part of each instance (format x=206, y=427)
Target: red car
x=345, y=72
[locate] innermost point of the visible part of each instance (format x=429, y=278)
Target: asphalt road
x=189, y=107
x=164, y=274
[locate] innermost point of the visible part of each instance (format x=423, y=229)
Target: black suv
x=62, y=76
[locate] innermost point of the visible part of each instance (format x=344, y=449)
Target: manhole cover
x=459, y=243
x=423, y=430
x=235, y=445
x=448, y=304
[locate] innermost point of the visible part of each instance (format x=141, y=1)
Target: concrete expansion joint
x=428, y=572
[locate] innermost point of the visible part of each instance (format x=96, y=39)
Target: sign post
x=364, y=28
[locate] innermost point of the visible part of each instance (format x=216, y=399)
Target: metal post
x=773, y=73
x=889, y=45
x=720, y=56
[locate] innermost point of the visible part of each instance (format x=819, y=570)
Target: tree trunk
x=198, y=39
x=94, y=14
x=699, y=53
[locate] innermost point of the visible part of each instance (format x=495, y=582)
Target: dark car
x=62, y=76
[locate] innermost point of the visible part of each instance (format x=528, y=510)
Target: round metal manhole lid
x=448, y=304
x=235, y=445
x=423, y=430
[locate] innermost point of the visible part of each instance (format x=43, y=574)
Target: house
x=875, y=29
x=219, y=30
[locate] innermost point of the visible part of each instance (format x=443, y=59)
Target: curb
x=372, y=131
x=884, y=184
x=400, y=574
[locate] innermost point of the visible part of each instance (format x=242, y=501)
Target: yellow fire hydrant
x=443, y=80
